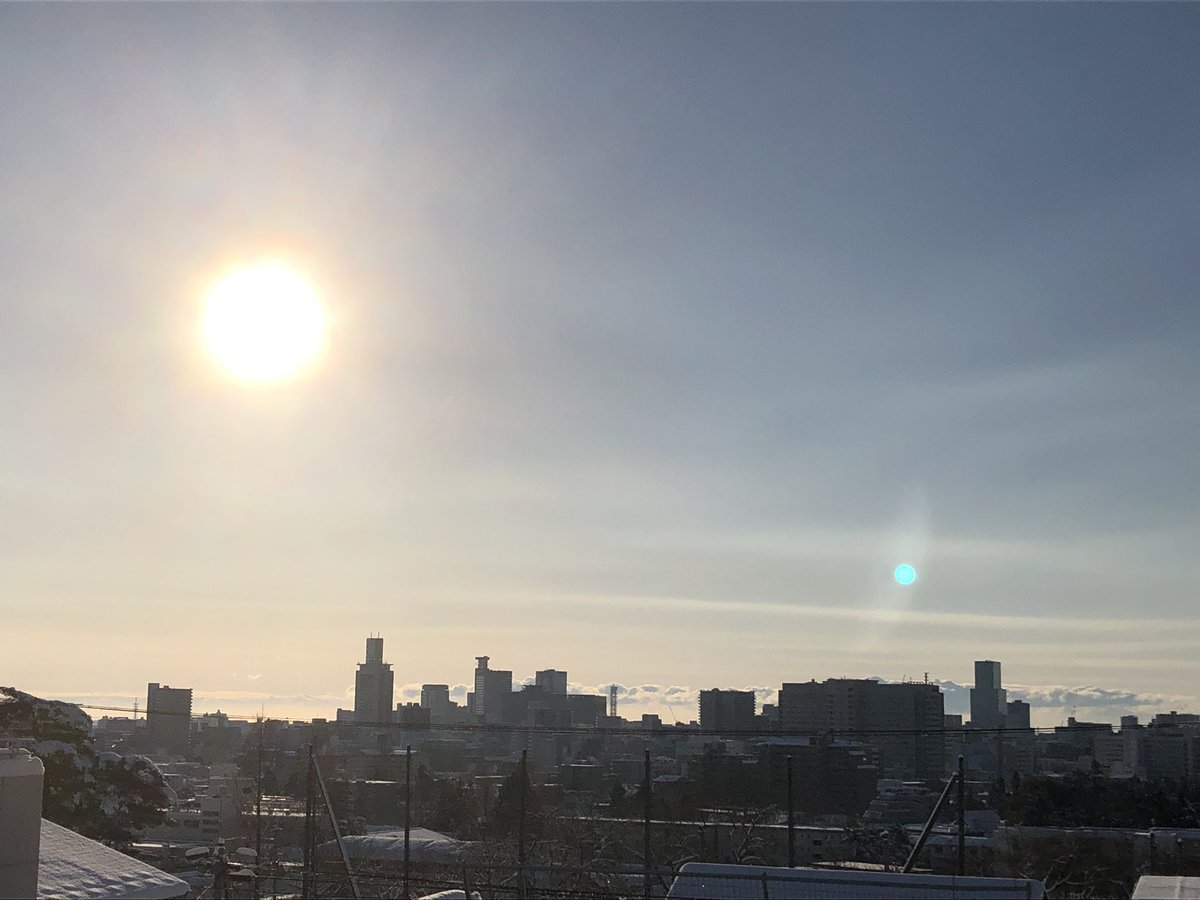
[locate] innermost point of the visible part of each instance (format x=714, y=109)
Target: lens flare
x=905, y=574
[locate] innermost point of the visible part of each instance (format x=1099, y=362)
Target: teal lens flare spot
x=905, y=574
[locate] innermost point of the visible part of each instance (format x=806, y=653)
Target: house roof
x=72, y=867
x=1167, y=887
x=424, y=846
x=731, y=882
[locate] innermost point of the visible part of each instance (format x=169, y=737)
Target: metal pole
x=912, y=856
x=791, y=816
x=1000, y=756
x=646, y=822
x=407, y=817
x=337, y=832
x=521, y=823
x=258, y=808
x=310, y=827
x=962, y=817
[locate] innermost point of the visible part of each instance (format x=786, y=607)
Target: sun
x=265, y=323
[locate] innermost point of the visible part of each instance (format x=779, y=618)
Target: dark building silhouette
x=169, y=717
x=904, y=723
x=989, y=703
x=534, y=705
x=587, y=709
x=413, y=715
x=829, y=778
x=490, y=700
x=373, y=686
x=727, y=710
x=1017, y=715
x=436, y=698
x=551, y=681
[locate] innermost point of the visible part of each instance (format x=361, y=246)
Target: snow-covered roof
x=697, y=881
x=424, y=846
x=72, y=867
x=1167, y=887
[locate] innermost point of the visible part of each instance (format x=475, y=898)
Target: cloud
x=408, y=693
x=1113, y=703
x=1075, y=625
x=1089, y=696
x=957, y=697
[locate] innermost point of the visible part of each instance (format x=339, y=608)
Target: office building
x=904, y=723
x=727, y=710
x=436, y=699
x=989, y=704
x=373, y=686
x=1017, y=714
x=493, y=688
x=587, y=709
x=169, y=717
x=551, y=681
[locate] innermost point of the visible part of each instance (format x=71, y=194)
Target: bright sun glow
x=265, y=323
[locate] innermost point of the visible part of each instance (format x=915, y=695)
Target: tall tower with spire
x=373, y=686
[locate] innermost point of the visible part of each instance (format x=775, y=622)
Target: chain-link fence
x=691, y=882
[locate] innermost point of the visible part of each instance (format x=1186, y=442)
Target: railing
x=503, y=882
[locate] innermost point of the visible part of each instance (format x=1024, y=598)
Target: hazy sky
x=661, y=335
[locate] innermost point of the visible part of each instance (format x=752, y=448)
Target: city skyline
x=1050, y=705
x=659, y=335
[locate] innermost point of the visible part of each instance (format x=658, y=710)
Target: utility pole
x=962, y=817
x=258, y=808
x=646, y=783
x=333, y=826
x=1000, y=755
x=407, y=816
x=929, y=823
x=791, y=816
x=310, y=829
x=521, y=823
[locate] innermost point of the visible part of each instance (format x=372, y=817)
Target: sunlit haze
x=641, y=341
x=264, y=322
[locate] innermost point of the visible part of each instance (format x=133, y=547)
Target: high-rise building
x=169, y=716
x=905, y=723
x=551, y=681
x=587, y=709
x=989, y=703
x=373, y=686
x=1017, y=714
x=493, y=688
x=727, y=710
x=436, y=698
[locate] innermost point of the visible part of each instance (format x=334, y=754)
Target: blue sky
x=661, y=335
